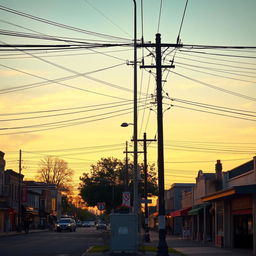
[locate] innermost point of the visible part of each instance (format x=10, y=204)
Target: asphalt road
x=51, y=243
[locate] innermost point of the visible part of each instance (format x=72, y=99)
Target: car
x=79, y=224
x=88, y=223
x=67, y=224
x=101, y=226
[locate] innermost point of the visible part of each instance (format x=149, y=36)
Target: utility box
x=124, y=232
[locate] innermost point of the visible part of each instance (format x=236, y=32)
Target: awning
x=242, y=212
x=195, y=211
x=227, y=193
x=181, y=212
x=155, y=214
x=197, y=208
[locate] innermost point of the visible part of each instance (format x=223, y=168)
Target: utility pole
x=19, y=215
x=135, y=121
x=145, y=140
x=126, y=180
x=162, y=249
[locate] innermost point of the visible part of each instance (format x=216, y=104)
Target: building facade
x=235, y=208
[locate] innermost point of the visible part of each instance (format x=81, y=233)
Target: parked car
x=79, y=224
x=101, y=226
x=68, y=224
x=88, y=223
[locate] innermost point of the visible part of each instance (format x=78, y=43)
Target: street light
x=125, y=124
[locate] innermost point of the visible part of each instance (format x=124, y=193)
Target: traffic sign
x=126, y=199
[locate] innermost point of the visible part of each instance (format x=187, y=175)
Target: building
x=235, y=208
x=42, y=204
x=13, y=185
x=3, y=205
x=173, y=200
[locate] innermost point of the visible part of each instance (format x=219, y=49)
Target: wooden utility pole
x=162, y=249
x=145, y=166
x=19, y=215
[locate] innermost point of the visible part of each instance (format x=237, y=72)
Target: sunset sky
x=77, y=117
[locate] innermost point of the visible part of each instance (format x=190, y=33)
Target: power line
x=181, y=24
x=214, y=47
x=107, y=18
x=203, y=161
x=159, y=16
x=210, y=58
x=224, y=55
x=208, y=73
x=65, y=114
x=60, y=122
x=68, y=125
x=21, y=55
x=78, y=74
x=227, y=109
x=216, y=88
x=59, y=24
x=64, y=109
x=213, y=63
x=219, y=114
x=227, y=71
x=47, y=81
x=58, y=38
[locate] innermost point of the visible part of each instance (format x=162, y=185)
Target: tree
x=105, y=182
x=69, y=209
x=56, y=171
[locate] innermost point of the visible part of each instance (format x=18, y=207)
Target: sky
x=78, y=117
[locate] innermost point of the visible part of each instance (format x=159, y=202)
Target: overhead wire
x=21, y=55
x=209, y=112
x=66, y=113
x=159, y=16
x=64, y=109
x=181, y=24
x=67, y=39
x=107, y=18
x=188, y=53
x=63, y=121
x=227, y=71
x=223, y=55
x=75, y=72
x=212, y=74
x=217, y=64
x=228, y=109
x=72, y=124
x=56, y=24
x=47, y=81
x=216, y=87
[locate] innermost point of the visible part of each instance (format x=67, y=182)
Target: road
x=51, y=243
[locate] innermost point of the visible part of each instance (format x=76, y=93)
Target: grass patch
x=154, y=249
x=99, y=248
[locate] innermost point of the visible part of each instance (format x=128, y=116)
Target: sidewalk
x=184, y=246
x=15, y=233
x=189, y=247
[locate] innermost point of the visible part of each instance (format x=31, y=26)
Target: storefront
x=235, y=216
x=181, y=222
x=241, y=210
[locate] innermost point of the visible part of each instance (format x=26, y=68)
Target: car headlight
x=58, y=225
x=69, y=225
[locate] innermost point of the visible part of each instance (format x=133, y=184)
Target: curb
x=6, y=234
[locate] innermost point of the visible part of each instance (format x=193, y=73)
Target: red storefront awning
x=181, y=212
x=242, y=212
